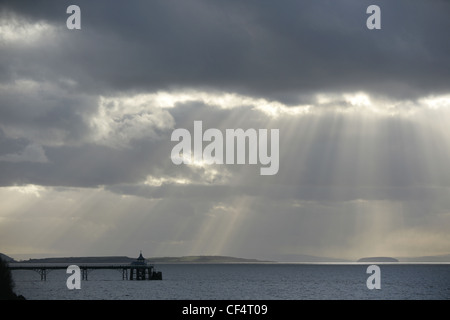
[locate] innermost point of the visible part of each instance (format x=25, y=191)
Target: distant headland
x=204, y=259
x=127, y=260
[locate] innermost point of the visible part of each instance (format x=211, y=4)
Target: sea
x=248, y=281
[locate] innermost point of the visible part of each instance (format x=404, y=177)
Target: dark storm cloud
x=9, y=145
x=286, y=50
x=84, y=166
x=48, y=112
x=283, y=49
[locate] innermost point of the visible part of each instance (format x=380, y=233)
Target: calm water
x=247, y=282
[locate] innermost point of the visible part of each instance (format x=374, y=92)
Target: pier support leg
x=43, y=273
x=84, y=274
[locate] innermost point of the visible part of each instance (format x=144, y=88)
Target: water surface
x=247, y=282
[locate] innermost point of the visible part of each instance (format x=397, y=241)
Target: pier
x=128, y=272
x=137, y=270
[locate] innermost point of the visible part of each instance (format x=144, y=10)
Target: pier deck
x=129, y=272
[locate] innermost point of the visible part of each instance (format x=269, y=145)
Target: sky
x=86, y=118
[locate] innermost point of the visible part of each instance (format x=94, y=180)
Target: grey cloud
x=10, y=145
x=287, y=193
x=31, y=153
x=45, y=112
x=279, y=50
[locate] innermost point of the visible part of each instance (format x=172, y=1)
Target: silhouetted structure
x=7, y=283
x=140, y=270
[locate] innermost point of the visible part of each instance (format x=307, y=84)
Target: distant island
x=378, y=259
